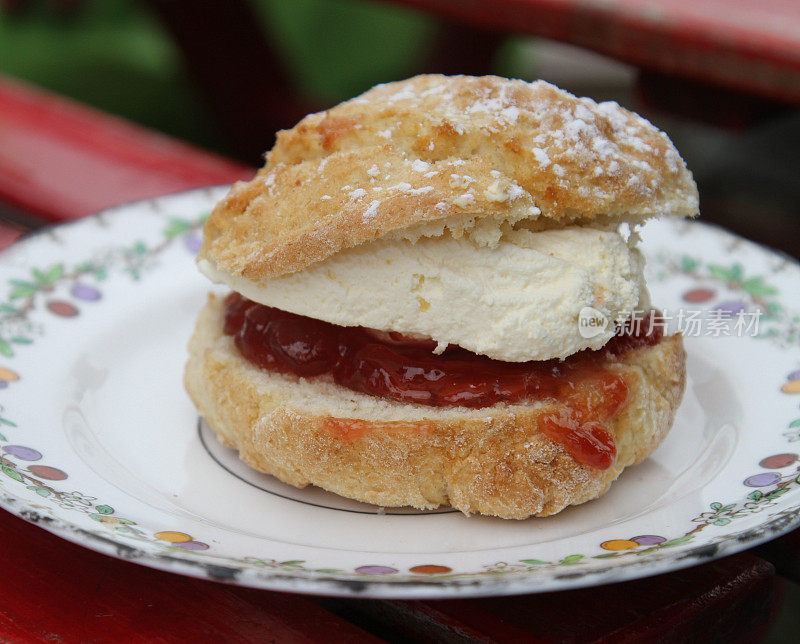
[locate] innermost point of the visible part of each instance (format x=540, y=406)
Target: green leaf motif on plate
x=21, y=289
x=11, y=472
x=676, y=542
x=720, y=272
x=756, y=287
x=571, y=559
x=177, y=227
x=688, y=264
x=49, y=276
x=41, y=491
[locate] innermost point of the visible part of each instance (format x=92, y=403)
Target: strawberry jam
x=403, y=368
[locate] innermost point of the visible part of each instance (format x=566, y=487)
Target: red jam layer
x=390, y=365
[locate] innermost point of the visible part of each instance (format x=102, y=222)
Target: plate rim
x=430, y=588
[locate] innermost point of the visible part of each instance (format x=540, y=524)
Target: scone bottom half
x=416, y=259
x=494, y=460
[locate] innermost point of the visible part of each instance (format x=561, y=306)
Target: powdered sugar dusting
x=357, y=193
x=420, y=166
x=460, y=180
x=371, y=210
x=492, y=147
x=541, y=157
x=562, y=132
x=465, y=200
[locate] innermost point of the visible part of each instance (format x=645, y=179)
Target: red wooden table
x=59, y=161
x=742, y=44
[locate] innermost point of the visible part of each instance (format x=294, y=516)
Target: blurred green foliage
x=107, y=53
x=338, y=48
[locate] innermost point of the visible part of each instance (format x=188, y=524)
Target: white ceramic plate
x=101, y=445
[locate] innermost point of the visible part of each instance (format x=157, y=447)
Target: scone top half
x=480, y=212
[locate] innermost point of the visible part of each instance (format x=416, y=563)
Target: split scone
x=438, y=300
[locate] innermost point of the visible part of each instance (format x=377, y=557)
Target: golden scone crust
x=443, y=148
x=491, y=461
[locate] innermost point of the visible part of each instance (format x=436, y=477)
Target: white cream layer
x=518, y=299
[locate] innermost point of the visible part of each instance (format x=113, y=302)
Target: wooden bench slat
x=62, y=160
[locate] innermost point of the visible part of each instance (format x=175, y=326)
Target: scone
x=438, y=299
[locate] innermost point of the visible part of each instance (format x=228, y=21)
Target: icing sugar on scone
x=561, y=160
